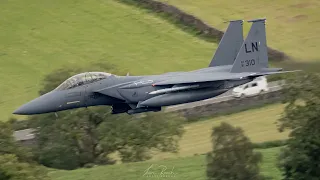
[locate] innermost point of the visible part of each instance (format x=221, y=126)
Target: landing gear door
x=229, y=84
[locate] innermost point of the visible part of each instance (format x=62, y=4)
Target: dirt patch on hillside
x=298, y=18
x=301, y=16
x=302, y=5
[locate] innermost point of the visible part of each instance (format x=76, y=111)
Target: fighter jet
x=235, y=62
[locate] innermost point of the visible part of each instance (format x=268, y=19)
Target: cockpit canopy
x=81, y=79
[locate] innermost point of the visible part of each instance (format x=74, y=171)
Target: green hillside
x=38, y=36
x=258, y=124
x=192, y=168
x=292, y=25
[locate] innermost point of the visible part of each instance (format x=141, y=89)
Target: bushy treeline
x=299, y=159
x=270, y=144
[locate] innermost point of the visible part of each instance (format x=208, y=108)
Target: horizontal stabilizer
x=277, y=72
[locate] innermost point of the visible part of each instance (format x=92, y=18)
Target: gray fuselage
x=125, y=93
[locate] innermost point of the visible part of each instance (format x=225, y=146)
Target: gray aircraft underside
x=235, y=62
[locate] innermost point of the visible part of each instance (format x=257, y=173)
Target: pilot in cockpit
x=81, y=79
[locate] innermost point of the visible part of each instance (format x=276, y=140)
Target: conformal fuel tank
x=181, y=97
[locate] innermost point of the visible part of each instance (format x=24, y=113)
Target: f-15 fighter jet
x=235, y=62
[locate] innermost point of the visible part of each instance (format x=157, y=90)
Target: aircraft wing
x=210, y=77
x=201, y=77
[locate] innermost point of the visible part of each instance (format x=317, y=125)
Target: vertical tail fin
x=229, y=45
x=253, y=55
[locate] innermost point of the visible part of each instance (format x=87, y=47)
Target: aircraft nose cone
x=28, y=109
x=23, y=110
x=39, y=105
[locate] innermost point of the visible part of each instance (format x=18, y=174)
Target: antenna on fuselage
x=127, y=73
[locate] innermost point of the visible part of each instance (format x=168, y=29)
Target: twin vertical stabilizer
x=253, y=54
x=229, y=45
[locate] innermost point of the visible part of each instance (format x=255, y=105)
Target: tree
x=232, y=156
x=12, y=169
x=16, y=162
x=70, y=140
x=19, y=124
x=78, y=137
x=300, y=158
x=90, y=135
x=8, y=145
x=135, y=137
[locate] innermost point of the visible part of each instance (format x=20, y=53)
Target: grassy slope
x=192, y=168
x=258, y=124
x=64, y=33
x=38, y=36
x=292, y=25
